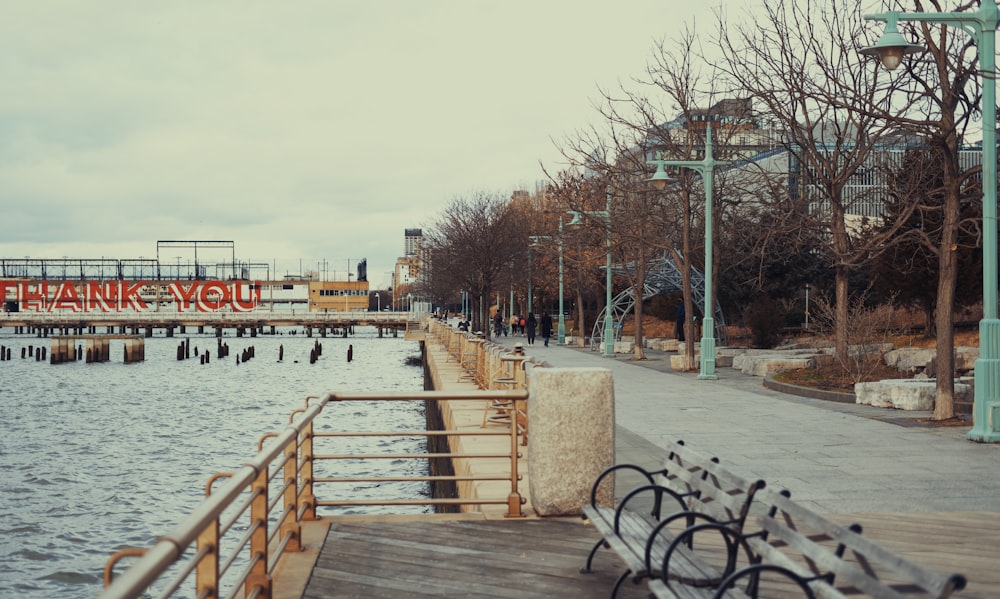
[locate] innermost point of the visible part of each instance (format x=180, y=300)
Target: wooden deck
x=541, y=558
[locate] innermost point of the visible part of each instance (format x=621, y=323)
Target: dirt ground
x=831, y=377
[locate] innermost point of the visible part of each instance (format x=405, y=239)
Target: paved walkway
x=840, y=458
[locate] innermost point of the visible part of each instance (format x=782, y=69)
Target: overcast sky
x=300, y=130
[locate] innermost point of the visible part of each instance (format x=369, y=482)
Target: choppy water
x=99, y=456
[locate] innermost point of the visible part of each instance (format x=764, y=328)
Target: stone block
x=624, y=347
x=965, y=358
x=670, y=345
x=571, y=412
x=904, y=394
x=909, y=359
x=764, y=365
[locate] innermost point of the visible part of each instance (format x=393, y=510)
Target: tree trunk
x=841, y=342
x=639, y=290
x=944, y=395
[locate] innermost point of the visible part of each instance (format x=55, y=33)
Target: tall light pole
x=890, y=49
x=378, y=303
x=605, y=215
x=705, y=167
x=561, y=328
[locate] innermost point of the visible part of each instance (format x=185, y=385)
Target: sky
x=305, y=132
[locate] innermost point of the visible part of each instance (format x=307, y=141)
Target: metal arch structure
x=662, y=276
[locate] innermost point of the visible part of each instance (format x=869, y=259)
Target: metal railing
x=269, y=498
x=489, y=366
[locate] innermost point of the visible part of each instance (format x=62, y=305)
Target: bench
x=796, y=552
x=689, y=489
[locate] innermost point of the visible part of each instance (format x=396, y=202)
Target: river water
x=95, y=457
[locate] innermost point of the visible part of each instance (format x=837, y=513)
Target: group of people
x=525, y=326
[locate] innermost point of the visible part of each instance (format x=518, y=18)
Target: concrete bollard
x=571, y=412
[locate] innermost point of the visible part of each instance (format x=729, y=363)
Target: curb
x=837, y=396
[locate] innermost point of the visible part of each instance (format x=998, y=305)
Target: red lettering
x=33, y=297
x=97, y=296
x=129, y=295
x=241, y=305
x=66, y=298
x=183, y=296
x=4, y=286
x=210, y=288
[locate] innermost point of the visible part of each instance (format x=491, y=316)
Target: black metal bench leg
x=590, y=558
x=618, y=583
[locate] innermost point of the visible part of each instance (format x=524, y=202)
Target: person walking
x=531, y=324
x=546, y=328
x=679, y=322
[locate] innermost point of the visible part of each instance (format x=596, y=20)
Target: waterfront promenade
x=921, y=490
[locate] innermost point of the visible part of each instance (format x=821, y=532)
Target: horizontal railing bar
x=373, y=479
x=431, y=396
x=407, y=456
x=452, y=433
x=363, y=502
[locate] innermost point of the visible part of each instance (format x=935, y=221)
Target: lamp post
x=409, y=301
x=609, y=331
x=706, y=167
x=378, y=303
x=561, y=327
x=981, y=24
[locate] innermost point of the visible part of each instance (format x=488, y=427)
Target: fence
x=258, y=510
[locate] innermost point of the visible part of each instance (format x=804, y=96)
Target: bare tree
x=474, y=241
x=945, y=94
x=799, y=63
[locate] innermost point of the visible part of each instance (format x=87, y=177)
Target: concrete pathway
x=840, y=458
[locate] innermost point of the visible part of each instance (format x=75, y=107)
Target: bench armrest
x=612, y=469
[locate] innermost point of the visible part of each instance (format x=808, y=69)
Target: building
x=412, y=242
x=338, y=296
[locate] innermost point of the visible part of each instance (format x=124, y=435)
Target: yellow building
x=338, y=296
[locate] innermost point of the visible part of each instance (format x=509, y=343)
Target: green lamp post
x=561, y=328
x=981, y=24
x=609, y=330
x=705, y=167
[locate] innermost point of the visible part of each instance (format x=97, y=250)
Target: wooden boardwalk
x=541, y=558
x=519, y=559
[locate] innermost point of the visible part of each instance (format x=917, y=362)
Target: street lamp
x=705, y=167
x=409, y=300
x=609, y=331
x=890, y=48
x=378, y=303
x=561, y=328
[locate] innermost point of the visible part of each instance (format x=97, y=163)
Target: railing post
x=514, y=498
x=258, y=577
x=290, y=524
x=307, y=452
x=207, y=572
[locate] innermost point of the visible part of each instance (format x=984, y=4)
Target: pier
x=920, y=490
x=258, y=322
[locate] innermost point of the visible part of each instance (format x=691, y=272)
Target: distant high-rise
x=414, y=239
